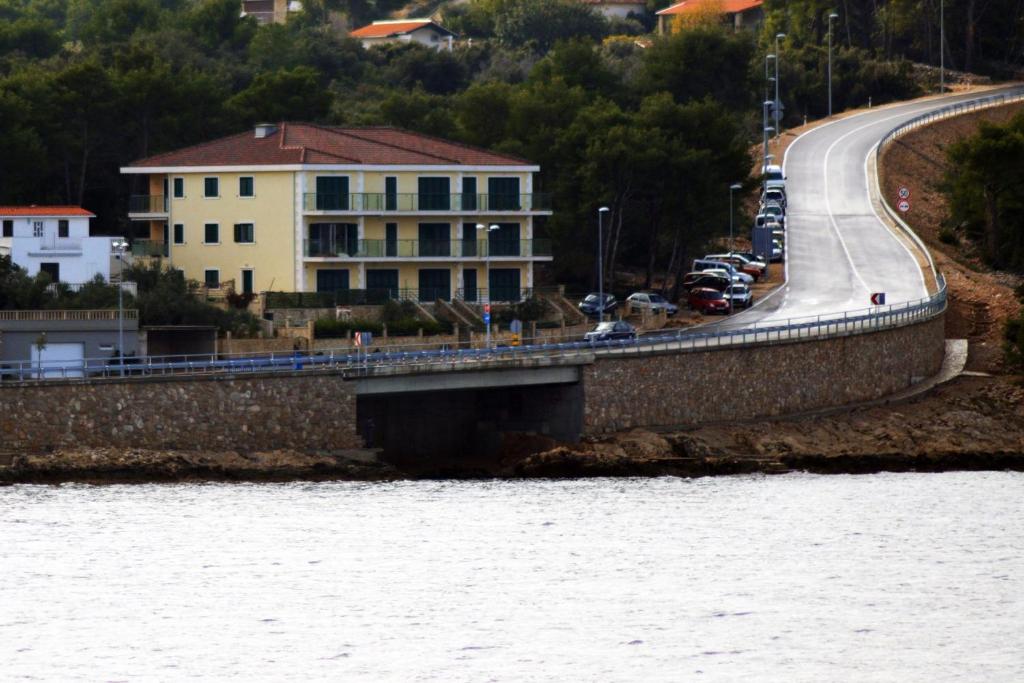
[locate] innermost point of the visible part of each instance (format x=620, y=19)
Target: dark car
x=708, y=280
x=610, y=330
x=708, y=301
x=590, y=305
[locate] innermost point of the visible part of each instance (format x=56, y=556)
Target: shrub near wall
x=328, y=328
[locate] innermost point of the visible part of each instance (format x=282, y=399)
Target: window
x=62, y=228
x=211, y=278
x=8, y=228
x=246, y=186
x=435, y=194
x=247, y=281
x=37, y=228
x=211, y=233
x=179, y=188
x=469, y=194
x=179, y=233
x=391, y=193
x=435, y=239
x=503, y=194
x=245, y=233
x=211, y=187
x=332, y=193
x=505, y=240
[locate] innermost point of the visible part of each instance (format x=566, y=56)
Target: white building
x=55, y=240
x=422, y=31
x=618, y=8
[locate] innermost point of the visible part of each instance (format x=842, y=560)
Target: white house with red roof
x=738, y=14
x=55, y=240
x=423, y=31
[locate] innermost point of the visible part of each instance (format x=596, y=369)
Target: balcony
x=145, y=206
x=380, y=202
x=149, y=248
x=428, y=249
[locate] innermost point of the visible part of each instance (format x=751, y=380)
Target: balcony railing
x=373, y=202
x=358, y=297
x=149, y=248
x=147, y=203
x=426, y=249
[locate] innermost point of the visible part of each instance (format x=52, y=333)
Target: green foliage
x=328, y=328
x=985, y=188
x=530, y=310
x=287, y=94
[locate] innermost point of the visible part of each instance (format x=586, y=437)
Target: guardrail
x=956, y=109
x=380, y=360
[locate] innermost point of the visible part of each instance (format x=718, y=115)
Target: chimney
x=265, y=130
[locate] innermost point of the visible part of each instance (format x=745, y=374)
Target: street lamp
x=487, y=263
x=942, y=46
x=120, y=246
x=767, y=79
x=732, y=188
x=778, y=37
x=600, y=263
x=831, y=18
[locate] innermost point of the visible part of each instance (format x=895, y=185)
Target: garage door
x=58, y=360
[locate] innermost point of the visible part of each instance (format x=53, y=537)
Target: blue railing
x=378, y=360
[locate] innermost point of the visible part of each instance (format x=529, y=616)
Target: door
x=504, y=284
x=331, y=280
x=469, y=240
x=435, y=283
x=51, y=269
x=435, y=239
x=469, y=284
x=167, y=241
x=247, y=287
x=391, y=239
x=391, y=193
x=59, y=360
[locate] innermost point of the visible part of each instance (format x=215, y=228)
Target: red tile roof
x=45, y=211
x=721, y=6
x=386, y=29
x=305, y=143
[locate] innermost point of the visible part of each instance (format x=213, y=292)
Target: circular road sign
x=903, y=206
x=904, y=193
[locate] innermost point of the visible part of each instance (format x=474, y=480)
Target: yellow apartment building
x=389, y=213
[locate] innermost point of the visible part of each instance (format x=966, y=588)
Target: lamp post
x=942, y=46
x=732, y=188
x=120, y=246
x=778, y=129
x=487, y=264
x=767, y=78
x=600, y=263
x=831, y=18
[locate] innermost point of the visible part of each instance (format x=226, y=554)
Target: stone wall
x=306, y=411
x=684, y=389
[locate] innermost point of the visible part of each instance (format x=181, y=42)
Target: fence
x=129, y=314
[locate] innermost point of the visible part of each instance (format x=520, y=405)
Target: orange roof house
x=737, y=13
x=424, y=31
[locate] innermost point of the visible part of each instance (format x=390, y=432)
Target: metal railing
x=150, y=248
x=384, y=202
x=147, y=203
x=68, y=314
x=384, y=360
x=381, y=295
x=58, y=288
x=425, y=249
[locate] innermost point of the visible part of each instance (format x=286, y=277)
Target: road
x=838, y=249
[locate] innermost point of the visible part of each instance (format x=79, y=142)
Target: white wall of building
x=620, y=9
x=427, y=36
x=80, y=257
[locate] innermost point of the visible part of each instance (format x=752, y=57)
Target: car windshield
x=604, y=327
x=657, y=299
x=774, y=175
x=712, y=295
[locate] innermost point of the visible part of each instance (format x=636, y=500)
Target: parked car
x=708, y=264
x=776, y=194
x=774, y=178
x=740, y=295
x=708, y=280
x=777, y=211
x=777, y=251
x=610, y=330
x=590, y=305
x=708, y=300
x=744, y=265
x=763, y=220
x=652, y=301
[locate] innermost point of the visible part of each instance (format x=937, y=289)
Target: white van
x=773, y=178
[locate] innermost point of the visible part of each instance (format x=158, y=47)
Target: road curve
x=838, y=249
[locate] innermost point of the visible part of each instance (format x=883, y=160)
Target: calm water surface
x=794, y=578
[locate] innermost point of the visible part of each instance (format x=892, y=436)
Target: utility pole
x=778, y=128
x=942, y=46
x=832, y=17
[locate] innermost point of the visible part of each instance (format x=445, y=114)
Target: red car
x=708, y=300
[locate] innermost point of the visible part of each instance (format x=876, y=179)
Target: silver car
x=739, y=295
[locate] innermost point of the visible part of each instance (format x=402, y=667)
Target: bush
x=328, y=328
x=947, y=236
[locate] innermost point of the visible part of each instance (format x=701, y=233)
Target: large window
x=179, y=233
x=211, y=187
x=435, y=284
x=503, y=194
x=435, y=239
x=246, y=186
x=381, y=285
x=245, y=233
x=505, y=240
x=504, y=284
x=331, y=280
x=179, y=188
x=435, y=194
x=211, y=233
x=211, y=278
x=332, y=193
x=333, y=239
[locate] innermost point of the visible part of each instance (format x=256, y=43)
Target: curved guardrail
x=404, y=359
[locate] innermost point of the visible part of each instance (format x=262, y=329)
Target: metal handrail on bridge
x=404, y=358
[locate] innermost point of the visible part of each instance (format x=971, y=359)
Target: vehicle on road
x=708, y=280
x=708, y=300
x=611, y=330
x=773, y=178
x=652, y=301
x=591, y=306
x=740, y=295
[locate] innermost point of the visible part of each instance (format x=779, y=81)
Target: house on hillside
x=55, y=240
x=739, y=14
x=299, y=207
x=270, y=11
x=618, y=8
x=423, y=31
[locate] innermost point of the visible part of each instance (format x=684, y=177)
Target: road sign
x=515, y=339
x=516, y=327
x=904, y=193
x=878, y=299
x=487, y=318
x=362, y=338
x=357, y=338
x=903, y=206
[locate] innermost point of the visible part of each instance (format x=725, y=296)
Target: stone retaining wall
x=685, y=389
x=304, y=411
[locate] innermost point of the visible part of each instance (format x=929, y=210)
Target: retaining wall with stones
x=305, y=411
x=686, y=389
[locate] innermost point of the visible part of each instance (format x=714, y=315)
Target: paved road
x=838, y=249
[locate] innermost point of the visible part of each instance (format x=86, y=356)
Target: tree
x=286, y=94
